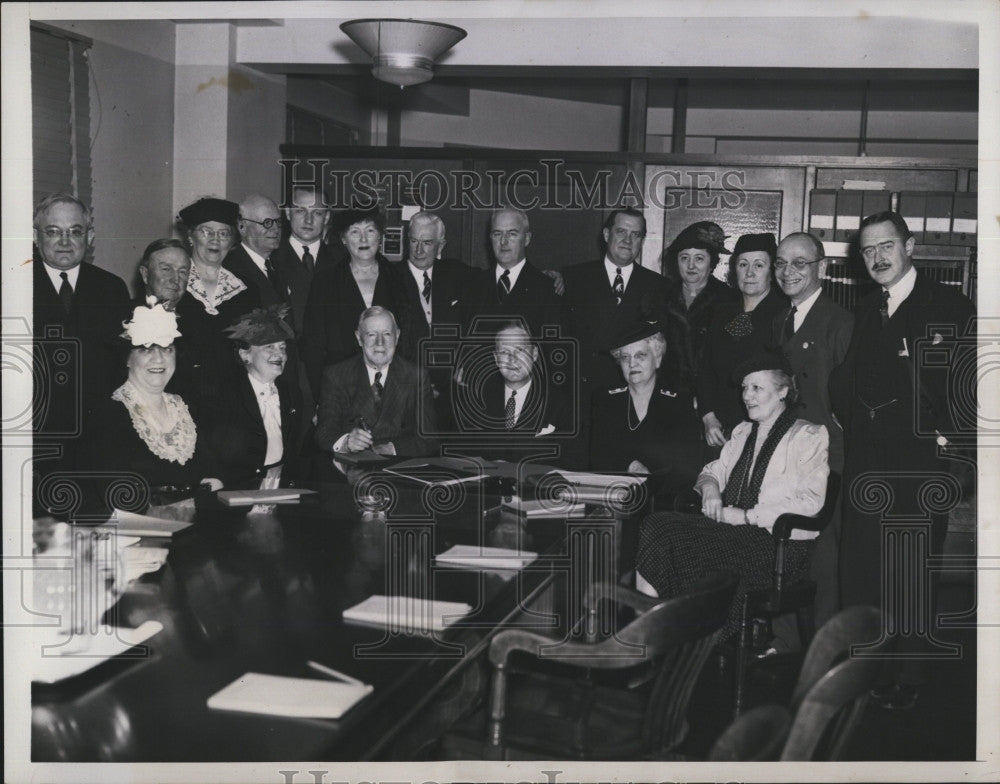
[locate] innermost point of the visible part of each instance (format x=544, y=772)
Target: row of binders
x=934, y=217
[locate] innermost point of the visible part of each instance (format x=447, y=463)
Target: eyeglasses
x=798, y=264
x=211, y=234
x=267, y=223
x=76, y=233
x=886, y=247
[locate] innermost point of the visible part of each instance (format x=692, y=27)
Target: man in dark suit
x=605, y=297
x=377, y=400
x=814, y=333
x=250, y=261
x=512, y=287
x=896, y=412
x=76, y=304
x=435, y=289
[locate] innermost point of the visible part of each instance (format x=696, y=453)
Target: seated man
x=529, y=414
x=376, y=400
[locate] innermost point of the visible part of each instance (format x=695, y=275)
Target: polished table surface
x=248, y=591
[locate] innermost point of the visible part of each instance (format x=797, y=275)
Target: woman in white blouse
x=774, y=463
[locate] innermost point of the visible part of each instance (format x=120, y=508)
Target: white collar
x=901, y=289
x=298, y=245
x=255, y=257
x=72, y=275
x=372, y=371
x=260, y=387
x=522, y=393
x=515, y=271
x=418, y=274
x=612, y=270
x=807, y=303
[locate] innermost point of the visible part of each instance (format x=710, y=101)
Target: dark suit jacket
x=332, y=311
x=596, y=320
x=238, y=262
x=699, y=315
x=449, y=288
x=407, y=409
x=232, y=441
x=816, y=348
x=295, y=275
x=533, y=298
x=96, y=365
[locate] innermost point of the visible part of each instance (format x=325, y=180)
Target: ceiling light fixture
x=403, y=51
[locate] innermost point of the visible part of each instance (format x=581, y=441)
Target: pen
x=363, y=424
x=334, y=673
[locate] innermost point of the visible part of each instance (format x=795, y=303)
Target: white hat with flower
x=151, y=324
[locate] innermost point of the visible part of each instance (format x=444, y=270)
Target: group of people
x=253, y=358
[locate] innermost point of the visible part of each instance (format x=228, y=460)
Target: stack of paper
x=476, y=557
x=144, y=525
x=251, y=497
x=62, y=655
x=600, y=488
x=406, y=614
x=560, y=507
x=277, y=695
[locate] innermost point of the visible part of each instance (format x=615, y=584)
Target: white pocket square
x=545, y=430
x=936, y=339
x=454, y=302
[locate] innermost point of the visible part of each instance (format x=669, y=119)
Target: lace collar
x=177, y=443
x=228, y=287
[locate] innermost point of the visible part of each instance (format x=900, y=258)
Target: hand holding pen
x=360, y=437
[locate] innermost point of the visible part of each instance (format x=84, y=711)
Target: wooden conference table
x=265, y=593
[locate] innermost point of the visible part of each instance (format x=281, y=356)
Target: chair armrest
x=569, y=651
x=621, y=594
x=788, y=522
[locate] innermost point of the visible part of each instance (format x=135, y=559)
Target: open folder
x=278, y=695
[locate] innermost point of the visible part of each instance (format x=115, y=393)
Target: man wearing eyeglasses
x=260, y=230
x=78, y=314
x=899, y=407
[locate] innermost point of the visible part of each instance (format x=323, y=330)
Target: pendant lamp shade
x=403, y=51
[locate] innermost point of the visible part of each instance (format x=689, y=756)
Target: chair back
x=757, y=736
x=833, y=687
x=685, y=632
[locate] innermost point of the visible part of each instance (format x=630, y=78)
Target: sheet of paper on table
x=279, y=695
x=61, y=655
x=476, y=557
x=250, y=497
x=407, y=614
x=133, y=524
x=534, y=509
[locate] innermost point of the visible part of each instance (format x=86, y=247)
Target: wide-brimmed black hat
x=261, y=326
x=210, y=209
x=749, y=243
x=703, y=234
x=634, y=333
x=765, y=358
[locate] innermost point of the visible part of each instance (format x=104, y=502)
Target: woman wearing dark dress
x=649, y=426
x=215, y=298
x=737, y=331
x=140, y=428
x=340, y=293
x=248, y=436
x=774, y=463
x=688, y=263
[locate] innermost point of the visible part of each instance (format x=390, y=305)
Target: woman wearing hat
x=140, y=428
x=774, y=463
x=688, y=263
x=251, y=424
x=217, y=297
x=737, y=330
x=648, y=426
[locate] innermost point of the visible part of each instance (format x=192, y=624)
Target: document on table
x=278, y=695
x=406, y=614
x=134, y=524
x=62, y=655
x=251, y=497
x=474, y=556
x=559, y=507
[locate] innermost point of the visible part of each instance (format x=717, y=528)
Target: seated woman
x=250, y=427
x=141, y=429
x=774, y=463
x=648, y=426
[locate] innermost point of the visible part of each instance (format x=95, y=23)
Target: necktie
x=619, y=286
x=275, y=279
x=883, y=308
x=789, y=329
x=427, y=287
x=66, y=292
x=377, y=387
x=503, y=285
x=508, y=412
x=307, y=258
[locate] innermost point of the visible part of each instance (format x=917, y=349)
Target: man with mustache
x=895, y=411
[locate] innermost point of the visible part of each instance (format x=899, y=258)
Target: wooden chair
x=657, y=656
x=761, y=607
x=758, y=735
x=832, y=689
